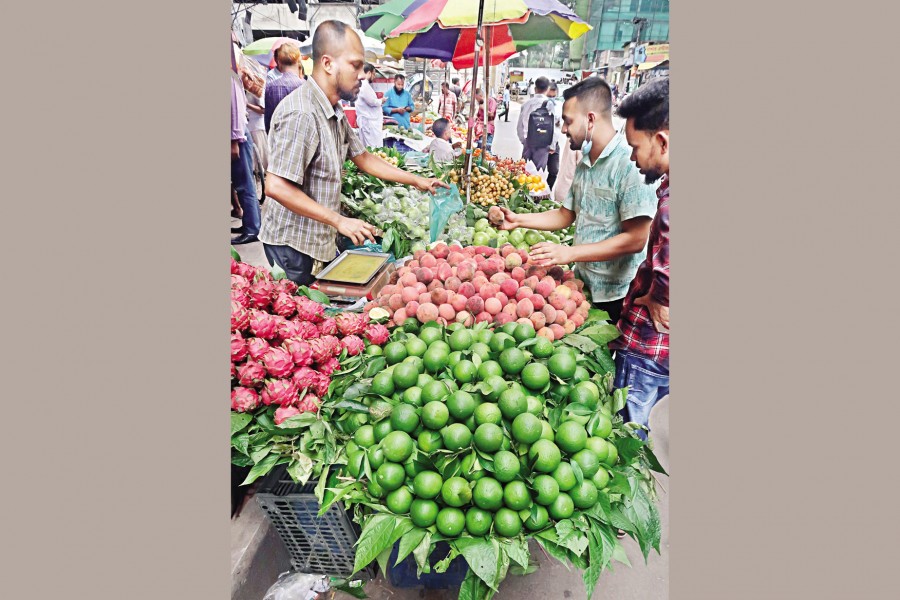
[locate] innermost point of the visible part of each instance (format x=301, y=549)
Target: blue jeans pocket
x=643, y=386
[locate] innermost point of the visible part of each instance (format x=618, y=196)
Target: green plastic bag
x=417, y=158
x=444, y=204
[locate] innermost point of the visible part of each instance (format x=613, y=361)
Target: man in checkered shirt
x=642, y=352
x=310, y=138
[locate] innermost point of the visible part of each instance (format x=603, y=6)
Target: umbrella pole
x=487, y=87
x=470, y=132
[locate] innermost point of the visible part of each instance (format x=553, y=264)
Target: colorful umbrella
x=446, y=30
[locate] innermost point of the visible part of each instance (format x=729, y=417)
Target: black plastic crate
x=404, y=574
x=321, y=545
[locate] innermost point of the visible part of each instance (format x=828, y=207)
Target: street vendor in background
x=368, y=112
x=399, y=103
x=479, y=119
x=447, y=103
x=309, y=141
x=608, y=201
x=441, y=148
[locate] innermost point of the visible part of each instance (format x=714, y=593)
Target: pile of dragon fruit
x=284, y=348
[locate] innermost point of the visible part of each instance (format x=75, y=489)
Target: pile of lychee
x=475, y=284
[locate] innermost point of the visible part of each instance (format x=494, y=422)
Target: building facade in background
x=613, y=26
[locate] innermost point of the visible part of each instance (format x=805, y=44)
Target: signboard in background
x=515, y=76
x=657, y=52
x=640, y=54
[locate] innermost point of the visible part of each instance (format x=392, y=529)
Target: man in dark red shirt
x=642, y=352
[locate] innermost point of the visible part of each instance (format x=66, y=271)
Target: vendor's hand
x=235, y=150
x=546, y=254
x=658, y=313
x=356, y=230
x=430, y=184
x=510, y=220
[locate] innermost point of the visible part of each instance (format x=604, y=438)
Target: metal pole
x=487, y=88
x=468, y=162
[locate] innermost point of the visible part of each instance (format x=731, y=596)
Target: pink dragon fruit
x=240, y=317
x=241, y=296
x=334, y=343
x=288, y=329
x=239, y=281
x=328, y=326
x=246, y=271
x=322, y=383
x=279, y=391
x=377, y=334
x=306, y=330
x=353, y=344
x=283, y=413
x=283, y=305
x=261, y=293
x=235, y=268
x=256, y=347
x=244, y=399
x=278, y=362
x=329, y=366
x=309, y=403
x=251, y=374
x=287, y=286
x=321, y=349
x=262, y=324
x=305, y=378
x=233, y=371
x=300, y=351
x=307, y=310
x=351, y=323
x=238, y=347
x=280, y=325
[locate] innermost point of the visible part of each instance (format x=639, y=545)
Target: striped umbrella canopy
x=446, y=30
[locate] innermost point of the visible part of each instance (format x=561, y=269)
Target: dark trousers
x=242, y=180
x=537, y=155
x=613, y=307
x=296, y=265
x=552, y=167
x=505, y=114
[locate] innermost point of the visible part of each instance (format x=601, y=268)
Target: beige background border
x=115, y=432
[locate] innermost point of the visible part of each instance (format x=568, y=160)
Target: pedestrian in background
x=479, y=119
x=369, y=117
x=242, y=166
x=276, y=91
x=455, y=88
x=536, y=138
x=506, y=104
x=553, y=155
x=642, y=351
x=256, y=123
x=447, y=102
x=399, y=103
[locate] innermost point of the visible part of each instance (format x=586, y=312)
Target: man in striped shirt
x=310, y=140
x=447, y=103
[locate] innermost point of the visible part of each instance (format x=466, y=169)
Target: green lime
x=566, y=349
x=586, y=393
x=413, y=396
x=613, y=457
x=497, y=385
x=461, y=339
x=526, y=428
x=538, y=519
x=417, y=362
x=562, y=364
x=547, y=433
x=423, y=379
x=469, y=470
x=434, y=391
x=478, y=522
x=456, y=492
x=565, y=476
x=489, y=368
x=585, y=495
x=435, y=415
x=581, y=374
x=373, y=350
x=470, y=423
x=464, y=371
x=375, y=489
x=414, y=467
x=390, y=476
x=415, y=347
x=542, y=348
x=399, y=501
x=440, y=345
x=488, y=437
x=354, y=464
x=454, y=326
x=523, y=332
x=512, y=361
x=488, y=494
x=427, y=484
x=598, y=446
x=588, y=462
x=509, y=328
x=546, y=489
x=603, y=426
x=535, y=376
x=501, y=341
x=507, y=523
x=506, y=466
x=571, y=437
x=535, y=406
x=483, y=351
x=405, y=376
x=365, y=436
x=578, y=413
x=562, y=507
x=436, y=359
x=383, y=384
x=451, y=522
x=601, y=478
x=516, y=496
x=488, y=412
x=546, y=456
x=382, y=429
x=513, y=403
x=456, y=436
x=454, y=358
x=430, y=335
x=375, y=455
x=483, y=336
x=395, y=352
x=404, y=418
x=429, y=441
x=423, y=513
x=461, y=405
x=398, y=446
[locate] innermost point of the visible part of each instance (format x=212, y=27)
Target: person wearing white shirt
x=553, y=156
x=440, y=148
x=369, y=116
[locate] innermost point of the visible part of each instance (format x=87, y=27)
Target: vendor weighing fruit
x=610, y=204
x=310, y=139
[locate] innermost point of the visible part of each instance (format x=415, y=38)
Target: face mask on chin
x=588, y=143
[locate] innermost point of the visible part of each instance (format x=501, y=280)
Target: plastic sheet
x=444, y=204
x=298, y=586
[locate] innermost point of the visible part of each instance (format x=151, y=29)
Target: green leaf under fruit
x=595, y=314
x=579, y=341
x=409, y=542
x=482, y=555
x=235, y=255
x=601, y=333
x=314, y=295
x=517, y=550
x=375, y=537
x=277, y=272
x=239, y=421
x=473, y=588
x=261, y=468
x=300, y=468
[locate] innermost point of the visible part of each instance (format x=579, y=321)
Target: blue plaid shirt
x=276, y=91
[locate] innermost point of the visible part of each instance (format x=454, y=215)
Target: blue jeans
x=647, y=382
x=242, y=180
